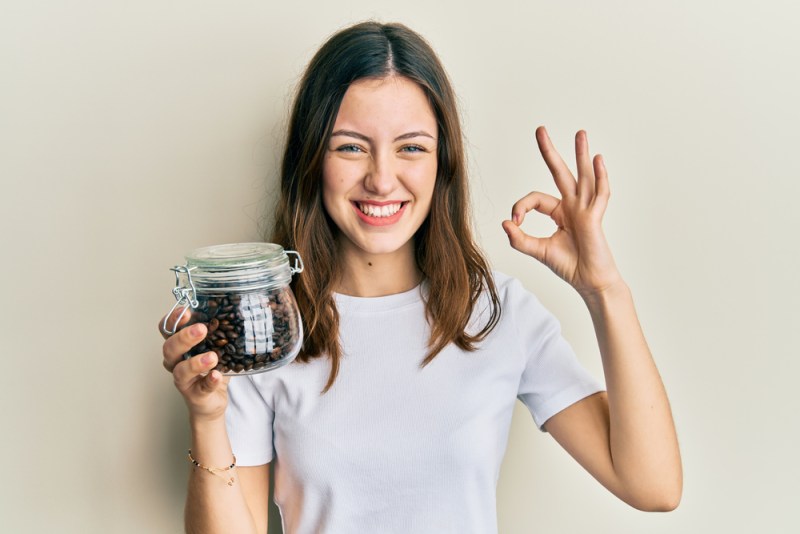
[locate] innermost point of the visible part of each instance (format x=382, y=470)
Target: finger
x=170, y=322
x=562, y=176
x=212, y=381
x=189, y=371
x=585, y=170
x=541, y=202
x=603, y=191
x=181, y=342
x=519, y=240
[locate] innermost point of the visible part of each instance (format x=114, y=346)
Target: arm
x=214, y=503
x=212, y=506
x=625, y=438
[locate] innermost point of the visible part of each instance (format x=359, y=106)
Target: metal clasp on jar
x=298, y=263
x=185, y=295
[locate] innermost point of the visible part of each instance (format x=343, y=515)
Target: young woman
x=395, y=416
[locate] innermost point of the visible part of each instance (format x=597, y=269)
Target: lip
x=380, y=221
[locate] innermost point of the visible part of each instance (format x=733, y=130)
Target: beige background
x=131, y=132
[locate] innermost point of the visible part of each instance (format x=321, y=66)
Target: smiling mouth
x=386, y=210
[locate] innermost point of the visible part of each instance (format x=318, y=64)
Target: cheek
x=337, y=175
x=425, y=180
x=330, y=202
x=328, y=190
x=331, y=180
x=335, y=187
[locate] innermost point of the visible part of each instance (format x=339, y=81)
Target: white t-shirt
x=394, y=447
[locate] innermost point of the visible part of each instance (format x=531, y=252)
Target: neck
x=377, y=275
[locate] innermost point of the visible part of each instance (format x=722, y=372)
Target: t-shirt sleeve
x=249, y=418
x=552, y=378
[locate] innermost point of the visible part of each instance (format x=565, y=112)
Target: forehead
x=386, y=103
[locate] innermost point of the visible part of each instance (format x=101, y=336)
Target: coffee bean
x=237, y=329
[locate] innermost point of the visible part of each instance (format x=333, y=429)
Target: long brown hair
x=446, y=253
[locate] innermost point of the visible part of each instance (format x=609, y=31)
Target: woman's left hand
x=577, y=251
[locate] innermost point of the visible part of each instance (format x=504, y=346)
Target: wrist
x=210, y=444
x=605, y=297
x=205, y=424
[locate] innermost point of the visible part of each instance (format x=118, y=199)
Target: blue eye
x=413, y=148
x=348, y=148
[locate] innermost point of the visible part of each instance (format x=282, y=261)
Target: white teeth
x=379, y=211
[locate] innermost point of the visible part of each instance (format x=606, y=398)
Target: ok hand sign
x=577, y=251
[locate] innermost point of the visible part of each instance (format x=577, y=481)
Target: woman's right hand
x=204, y=390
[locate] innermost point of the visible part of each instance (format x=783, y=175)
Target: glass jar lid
x=231, y=268
x=240, y=267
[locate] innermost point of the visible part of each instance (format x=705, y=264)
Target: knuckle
x=196, y=364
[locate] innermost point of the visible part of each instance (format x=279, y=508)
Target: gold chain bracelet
x=215, y=470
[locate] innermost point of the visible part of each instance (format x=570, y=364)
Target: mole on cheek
x=369, y=263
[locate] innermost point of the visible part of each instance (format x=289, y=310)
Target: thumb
x=519, y=240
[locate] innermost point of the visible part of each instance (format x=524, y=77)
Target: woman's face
x=380, y=165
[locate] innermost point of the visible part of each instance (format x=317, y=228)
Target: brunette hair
x=446, y=253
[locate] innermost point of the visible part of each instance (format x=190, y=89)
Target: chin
x=380, y=247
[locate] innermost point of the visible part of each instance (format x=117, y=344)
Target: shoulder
x=519, y=305
x=504, y=282
x=511, y=292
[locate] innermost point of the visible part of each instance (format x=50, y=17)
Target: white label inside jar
x=258, y=325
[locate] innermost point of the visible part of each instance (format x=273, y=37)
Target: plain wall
x=132, y=132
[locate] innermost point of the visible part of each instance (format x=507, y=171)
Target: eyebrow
x=409, y=135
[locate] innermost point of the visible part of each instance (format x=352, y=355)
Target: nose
x=381, y=177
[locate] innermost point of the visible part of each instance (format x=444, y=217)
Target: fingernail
x=515, y=218
x=197, y=330
x=206, y=359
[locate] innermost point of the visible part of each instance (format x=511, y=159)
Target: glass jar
x=241, y=292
